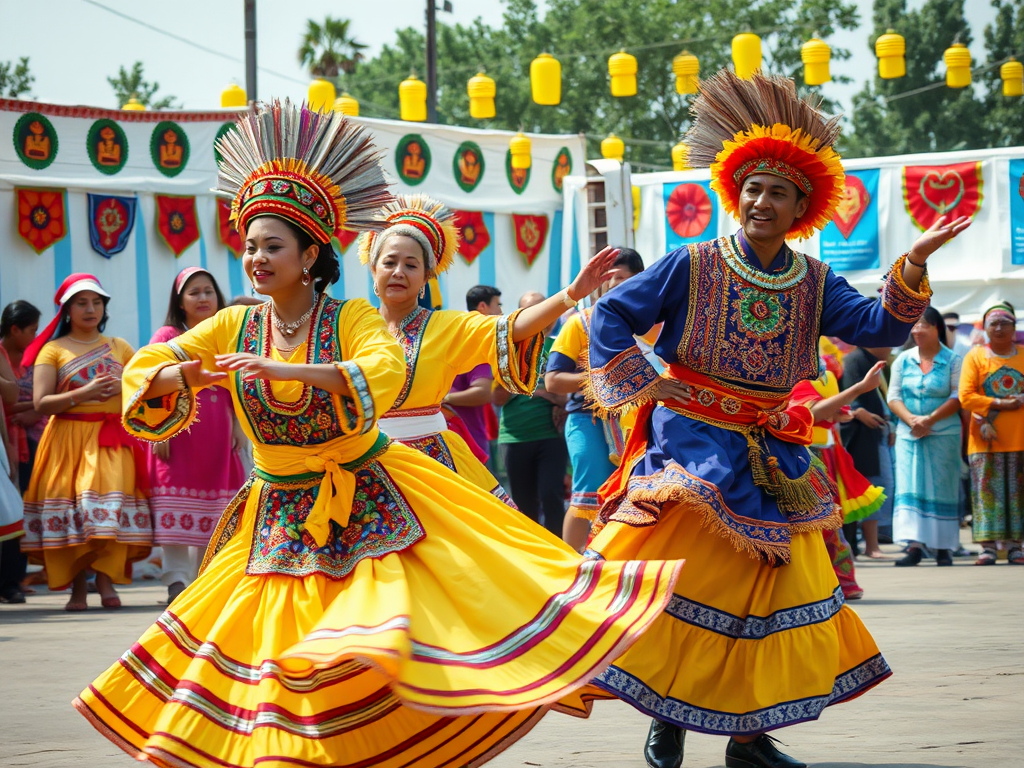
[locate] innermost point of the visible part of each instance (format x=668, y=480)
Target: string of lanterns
x=546, y=84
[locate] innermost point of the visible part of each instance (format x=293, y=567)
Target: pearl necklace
x=289, y=329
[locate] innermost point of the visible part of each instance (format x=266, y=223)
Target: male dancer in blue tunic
x=757, y=636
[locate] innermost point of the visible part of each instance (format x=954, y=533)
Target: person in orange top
x=992, y=390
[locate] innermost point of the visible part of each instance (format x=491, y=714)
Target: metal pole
x=250, y=50
x=431, y=62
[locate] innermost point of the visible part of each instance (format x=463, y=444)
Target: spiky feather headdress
x=741, y=127
x=316, y=169
x=421, y=217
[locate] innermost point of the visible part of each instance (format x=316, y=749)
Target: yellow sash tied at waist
x=335, y=462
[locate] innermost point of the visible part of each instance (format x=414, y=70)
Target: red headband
x=74, y=283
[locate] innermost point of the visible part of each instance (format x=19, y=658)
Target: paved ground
x=954, y=636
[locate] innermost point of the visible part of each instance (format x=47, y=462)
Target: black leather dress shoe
x=664, y=748
x=759, y=753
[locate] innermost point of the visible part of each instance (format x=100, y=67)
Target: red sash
x=113, y=435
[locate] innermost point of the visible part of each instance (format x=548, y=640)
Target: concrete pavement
x=953, y=636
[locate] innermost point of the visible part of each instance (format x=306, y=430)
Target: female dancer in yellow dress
x=85, y=506
x=419, y=242
x=360, y=605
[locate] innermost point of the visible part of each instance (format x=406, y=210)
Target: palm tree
x=327, y=48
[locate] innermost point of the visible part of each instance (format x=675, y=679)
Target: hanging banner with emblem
x=850, y=240
x=932, y=191
x=531, y=233
x=111, y=219
x=176, y=221
x=41, y=219
x=691, y=213
x=474, y=237
x=226, y=228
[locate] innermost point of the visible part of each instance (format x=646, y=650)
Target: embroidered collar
x=788, y=276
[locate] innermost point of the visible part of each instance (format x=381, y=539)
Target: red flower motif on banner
x=531, y=233
x=944, y=190
x=688, y=210
x=851, y=208
x=228, y=234
x=176, y=222
x=474, y=235
x=345, y=238
x=41, y=217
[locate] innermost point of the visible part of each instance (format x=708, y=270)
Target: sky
x=80, y=44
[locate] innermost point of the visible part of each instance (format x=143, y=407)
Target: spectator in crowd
x=83, y=507
x=12, y=526
x=992, y=389
x=956, y=340
x=592, y=441
x=195, y=475
x=470, y=395
x=531, y=444
x=923, y=394
x=18, y=326
x=868, y=438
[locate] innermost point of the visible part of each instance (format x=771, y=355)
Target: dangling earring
x=423, y=291
x=375, y=291
x=305, y=276
x=252, y=290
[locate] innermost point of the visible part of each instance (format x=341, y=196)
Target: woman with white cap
x=85, y=506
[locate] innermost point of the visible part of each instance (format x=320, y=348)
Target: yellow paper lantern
x=546, y=80
x=233, y=97
x=746, y=54
x=815, y=54
x=134, y=105
x=520, y=148
x=622, y=68
x=686, y=67
x=412, y=96
x=679, y=157
x=636, y=207
x=347, y=105
x=891, y=50
x=958, y=66
x=1012, y=73
x=481, y=96
x=321, y=95
x=613, y=148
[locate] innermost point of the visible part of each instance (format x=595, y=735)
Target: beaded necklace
x=774, y=281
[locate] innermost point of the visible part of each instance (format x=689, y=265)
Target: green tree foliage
x=127, y=84
x=328, y=50
x=582, y=34
x=15, y=79
x=1004, y=117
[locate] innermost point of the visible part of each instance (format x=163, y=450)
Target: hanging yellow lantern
x=1012, y=73
x=347, y=105
x=815, y=54
x=686, y=67
x=679, y=157
x=622, y=68
x=613, y=148
x=520, y=148
x=233, y=97
x=891, y=50
x=412, y=96
x=134, y=105
x=481, y=96
x=958, y=66
x=321, y=95
x=636, y=207
x=546, y=80
x=746, y=54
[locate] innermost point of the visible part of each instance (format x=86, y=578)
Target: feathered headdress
x=742, y=127
x=421, y=217
x=316, y=169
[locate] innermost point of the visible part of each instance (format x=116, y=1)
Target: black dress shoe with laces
x=913, y=557
x=664, y=748
x=759, y=753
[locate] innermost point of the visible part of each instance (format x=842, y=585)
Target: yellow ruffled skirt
x=742, y=647
x=450, y=449
x=82, y=507
x=441, y=654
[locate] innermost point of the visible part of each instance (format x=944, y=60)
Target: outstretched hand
x=937, y=235
x=255, y=367
x=197, y=377
x=593, y=275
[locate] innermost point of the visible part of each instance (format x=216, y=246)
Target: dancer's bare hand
x=937, y=235
x=593, y=275
x=672, y=389
x=252, y=366
x=197, y=377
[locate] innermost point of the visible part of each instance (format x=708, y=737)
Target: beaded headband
x=429, y=218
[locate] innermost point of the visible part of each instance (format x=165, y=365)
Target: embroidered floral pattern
x=760, y=313
x=435, y=447
x=754, y=627
x=381, y=522
x=897, y=297
x=518, y=363
x=360, y=404
x=410, y=335
x=627, y=379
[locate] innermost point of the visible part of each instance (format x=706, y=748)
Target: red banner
x=228, y=234
x=345, y=238
x=474, y=235
x=176, y=222
x=531, y=233
x=41, y=219
x=942, y=190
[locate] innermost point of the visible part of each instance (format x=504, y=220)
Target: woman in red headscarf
x=83, y=508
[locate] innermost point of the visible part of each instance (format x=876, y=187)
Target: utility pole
x=431, y=62
x=250, y=50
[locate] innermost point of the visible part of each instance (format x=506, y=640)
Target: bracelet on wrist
x=567, y=300
x=919, y=266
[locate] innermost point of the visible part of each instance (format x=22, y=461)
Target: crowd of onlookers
x=941, y=433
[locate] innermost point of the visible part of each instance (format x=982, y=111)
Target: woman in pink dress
x=195, y=475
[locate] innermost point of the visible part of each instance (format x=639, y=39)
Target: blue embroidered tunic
x=753, y=332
